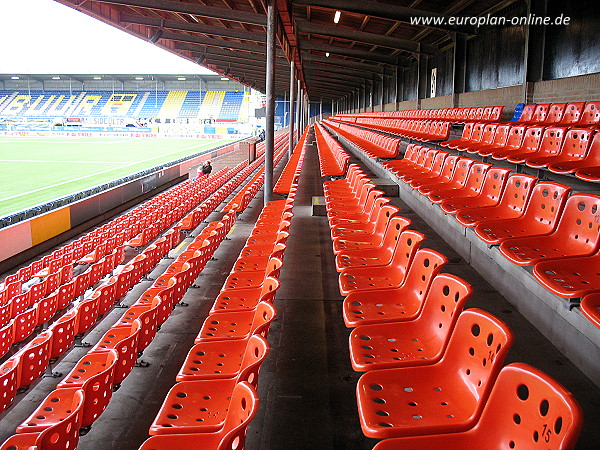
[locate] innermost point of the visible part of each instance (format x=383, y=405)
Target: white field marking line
x=45, y=161
x=96, y=173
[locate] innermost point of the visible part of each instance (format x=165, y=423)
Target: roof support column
x=270, y=106
x=372, y=93
x=292, y=100
x=298, y=108
x=535, y=43
x=459, y=66
x=422, y=87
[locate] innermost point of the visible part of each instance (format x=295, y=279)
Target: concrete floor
x=306, y=385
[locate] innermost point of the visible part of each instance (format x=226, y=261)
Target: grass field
x=35, y=170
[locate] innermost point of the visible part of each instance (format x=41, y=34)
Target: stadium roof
x=86, y=77
x=371, y=38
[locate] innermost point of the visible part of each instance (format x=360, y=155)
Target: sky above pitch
x=46, y=37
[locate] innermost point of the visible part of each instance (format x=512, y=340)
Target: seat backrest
x=493, y=183
x=408, y=244
x=515, y=137
x=529, y=409
x=9, y=381
x=395, y=227
x=476, y=176
x=555, y=112
x=438, y=163
x=467, y=131
x=527, y=113
x=517, y=191
x=450, y=164
x=477, y=133
x=257, y=350
x=476, y=351
x=572, y=113
x=489, y=132
x=546, y=203
x=551, y=143
x=443, y=304
x=540, y=113
x=461, y=172
x=35, y=356
x=242, y=409
x=590, y=114
x=264, y=314
x=532, y=138
x=579, y=224
x=593, y=156
x=576, y=143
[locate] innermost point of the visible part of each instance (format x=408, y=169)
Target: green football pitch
x=36, y=170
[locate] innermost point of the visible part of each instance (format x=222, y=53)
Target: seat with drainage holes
x=431, y=170
x=383, y=277
x=589, y=170
x=212, y=360
x=379, y=218
x=500, y=139
x=510, y=204
x=464, y=139
x=417, y=342
x=423, y=162
x=538, y=142
x=253, y=279
x=471, y=186
x=123, y=339
x=35, y=357
x=526, y=409
x=542, y=211
x=487, y=195
x=237, y=324
x=255, y=263
x=572, y=151
x=63, y=333
x=61, y=435
x=399, y=304
x=55, y=408
x=570, y=277
x=361, y=218
x=445, y=397
x=245, y=299
x=368, y=238
x=455, y=181
x=93, y=374
x=514, y=140
x=235, y=413
x=590, y=307
x=9, y=381
x=577, y=234
x=444, y=174
x=374, y=256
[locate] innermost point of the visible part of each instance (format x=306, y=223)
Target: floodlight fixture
x=181, y=78
x=336, y=17
x=56, y=77
x=139, y=78
x=97, y=78
x=224, y=79
x=327, y=54
x=14, y=77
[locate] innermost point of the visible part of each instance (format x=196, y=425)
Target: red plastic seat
x=417, y=342
x=487, y=138
x=240, y=410
x=9, y=382
x=444, y=174
x=56, y=407
x=590, y=166
x=215, y=360
x=533, y=146
x=256, y=263
x=570, y=277
x=539, y=114
x=60, y=435
x=123, y=339
x=93, y=374
x=527, y=409
x=487, y=195
x=375, y=202
x=253, y=279
x=35, y=357
x=445, y=397
x=371, y=236
x=383, y=277
x=432, y=165
x=400, y=304
x=465, y=138
x=471, y=186
x=574, y=154
x=516, y=134
x=380, y=218
x=457, y=180
x=505, y=203
x=374, y=256
x=590, y=116
x=245, y=299
x=540, y=217
x=590, y=307
x=577, y=234
x=475, y=139
x=237, y=324
x=554, y=115
x=147, y=315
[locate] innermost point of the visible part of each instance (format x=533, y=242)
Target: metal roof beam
x=367, y=38
x=387, y=11
x=194, y=9
x=359, y=54
x=193, y=27
x=337, y=62
x=218, y=43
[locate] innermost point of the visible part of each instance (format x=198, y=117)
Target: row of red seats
x=278, y=140
x=575, y=114
x=291, y=172
x=333, y=159
x=21, y=313
x=460, y=115
x=557, y=149
x=374, y=144
x=215, y=396
x=417, y=129
x=533, y=222
x=432, y=368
